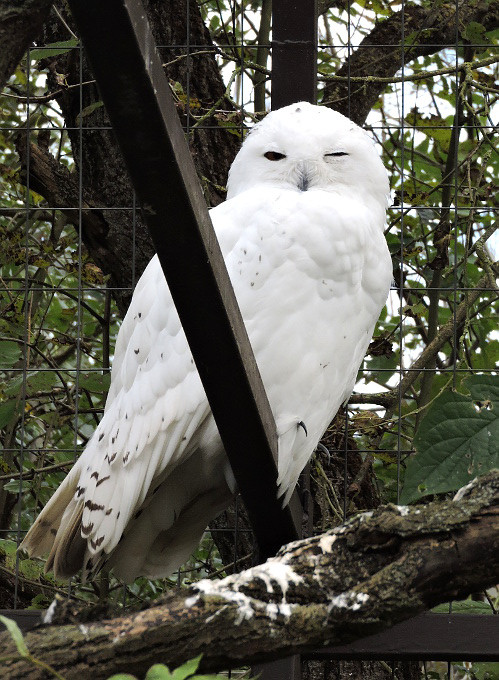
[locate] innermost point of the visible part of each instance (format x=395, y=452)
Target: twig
x=417, y=76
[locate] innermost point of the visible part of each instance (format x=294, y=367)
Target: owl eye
x=274, y=156
x=336, y=153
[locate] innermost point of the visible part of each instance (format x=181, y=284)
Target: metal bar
x=294, y=78
x=120, y=48
x=430, y=637
x=294, y=52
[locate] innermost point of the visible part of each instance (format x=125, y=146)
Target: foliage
x=17, y=636
x=457, y=440
x=161, y=672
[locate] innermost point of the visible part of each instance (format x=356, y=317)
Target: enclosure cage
x=420, y=77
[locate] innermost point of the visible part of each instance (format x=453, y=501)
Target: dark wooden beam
x=121, y=50
x=431, y=637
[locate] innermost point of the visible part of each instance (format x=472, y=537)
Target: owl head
x=303, y=147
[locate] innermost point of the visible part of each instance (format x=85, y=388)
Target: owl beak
x=303, y=176
x=303, y=183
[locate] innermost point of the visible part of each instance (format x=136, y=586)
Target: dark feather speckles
x=102, y=479
x=140, y=314
x=53, y=531
x=136, y=351
x=86, y=528
x=80, y=490
x=94, y=475
x=93, y=506
x=108, y=512
x=98, y=541
x=126, y=457
x=101, y=436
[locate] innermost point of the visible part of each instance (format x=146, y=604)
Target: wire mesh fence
x=420, y=78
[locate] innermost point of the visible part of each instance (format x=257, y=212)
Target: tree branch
x=379, y=568
x=20, y=23
x=380, y=55
x=429, y=353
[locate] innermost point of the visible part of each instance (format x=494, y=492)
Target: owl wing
x=153, y=420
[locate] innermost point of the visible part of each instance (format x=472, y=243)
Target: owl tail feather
x=58, y=530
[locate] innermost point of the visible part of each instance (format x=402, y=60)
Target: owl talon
x=320, y=447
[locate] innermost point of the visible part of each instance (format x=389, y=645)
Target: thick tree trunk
x=377, y=569
x=124, y=248
x=20, y=24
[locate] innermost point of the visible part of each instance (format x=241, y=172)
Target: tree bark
x=379, y=568
x=20, y=24
x=124, y=248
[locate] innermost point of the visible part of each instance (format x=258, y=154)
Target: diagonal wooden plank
x=121, y=50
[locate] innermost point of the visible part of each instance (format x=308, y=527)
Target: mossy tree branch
x=379, y=568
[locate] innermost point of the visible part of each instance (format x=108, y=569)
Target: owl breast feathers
x=302, y=237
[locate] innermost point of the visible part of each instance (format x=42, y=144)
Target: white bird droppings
x=273, y=573
x=403, y=509
x=326, y=543
x=464, y=490
x=348, y=600
x=49, y=614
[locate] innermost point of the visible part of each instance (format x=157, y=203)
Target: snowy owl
x=301, y=232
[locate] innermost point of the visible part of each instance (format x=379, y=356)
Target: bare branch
x=380, y=55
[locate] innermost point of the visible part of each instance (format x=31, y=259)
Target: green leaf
x=7, y=411
x=8, y=547
x=53, y=49
x=95, y=382
x=486, y=671
x=187, y=669
x=9, y=353
x=457, y=440
x=122, y=676
x=475, y=33
x=88, y=110
x=159, y=672
x=35, y=382
x=15, y=634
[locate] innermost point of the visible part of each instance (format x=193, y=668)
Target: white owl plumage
x=301, y=232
